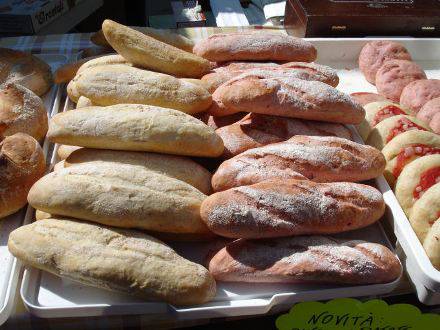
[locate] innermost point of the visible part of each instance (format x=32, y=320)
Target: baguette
x=115, y=84
x=109, y=59
x=84, y=102
x=256, y=130
x=72, y=91
x=137, y=128
x=321, y=159
x=181, y=168
x=307, y=259
x=247, y=46
x=126, y=261
x=150, y=53
x=64, y=151
x=67, y=72
x=123, y=196
x=285, y=96
x=275, y=208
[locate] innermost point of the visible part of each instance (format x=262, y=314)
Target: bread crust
x=276, y=208
x=305, y=259
x=417, y=93
x=363, y=98
x=429, y=113
x=321, y=159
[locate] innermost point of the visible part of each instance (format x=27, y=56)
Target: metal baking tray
x=9, y=266
x=49, y=296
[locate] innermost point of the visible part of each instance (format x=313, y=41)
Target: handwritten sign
x=352, y=314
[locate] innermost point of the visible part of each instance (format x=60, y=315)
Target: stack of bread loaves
x=407, y=134
x=127, y=171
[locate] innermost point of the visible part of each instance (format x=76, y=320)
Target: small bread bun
x=22, y=163
x=25, y=69
x=21, y=111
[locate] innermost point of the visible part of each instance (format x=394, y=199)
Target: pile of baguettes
x=404, y=122
x=287, y=175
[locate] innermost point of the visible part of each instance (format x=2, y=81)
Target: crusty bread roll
x=432, y=244
x=257, y=130
x=416, y=94
x=288, y=97
x=430, y=114
x=217, y=122
x=305, y=259
x=66, y=72
x=135, y=127
x=124, y=196
x=84, y=102
x=64, y=151
x=248, y=46
x=127, y=261
x=21, y=111
x=178, y=167
x=363, y=98
x=321, y=159
x=375, y=112
x=21, y=164
x=389, y=128
x=284, y=207
x=25, y=69
x=170, y=38
x=415, y=179
x=58, y=166
x=300, y=70
x=425, y=212
x=115, y=84
x=150, y=53
x=405, y=148
x=40, y=215
x=109, y=59
x=72, y=91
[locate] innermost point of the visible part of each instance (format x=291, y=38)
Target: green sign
x=352, y=314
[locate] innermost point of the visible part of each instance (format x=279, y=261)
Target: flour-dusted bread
x=21, y=164
x=425, y=212
x=394, y=75
x=260, y=46
x=416, y=179
x=110, y=59
x=430, y=114
x=363, y=98
x=257, y=130
x=126, y=261
x=135, y=127
x=284, y=207
x=405, y=148
x=64, y=151
x=153, y=54
x=72, y=91
x=124, y=196
x=389, y=128
x=375, y=112
x=84, y=102
x=178, y=167
x=173, y=39
x=321, y=159
x=115, y=84
x=416, y=94
x=432, y=244
x=375, y=53
x=25, y=69
x=300, y=70
x=67, y=72
x=305, y=259
x=285, y=96
x=21, y=110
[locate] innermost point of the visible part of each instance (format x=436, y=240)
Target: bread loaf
x=150, y=53
x=64, y=151
x=288, y=97
x=300, y=70
x=306, y=259
x=112, y=259
x=321, y=159
x=417, y=93
x=177, y=167
x=115, y=84
x=286, y=207
x=72, y=91
x=432, y=244
x=67, y=72
x=137, y=128
x=170, y=38
x=430, y=114
x=217, y=122
x=256, y=130
x=25, y=69
x=104, y=60
x=21, y=164
x=124, y=196
x=83, y=102
x=248, y=46
x=21, y=111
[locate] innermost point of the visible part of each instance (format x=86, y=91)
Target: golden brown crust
x=275, y=208
x=21, y=164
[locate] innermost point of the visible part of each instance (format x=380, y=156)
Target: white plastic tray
x=9, y=266
x=46, y=295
